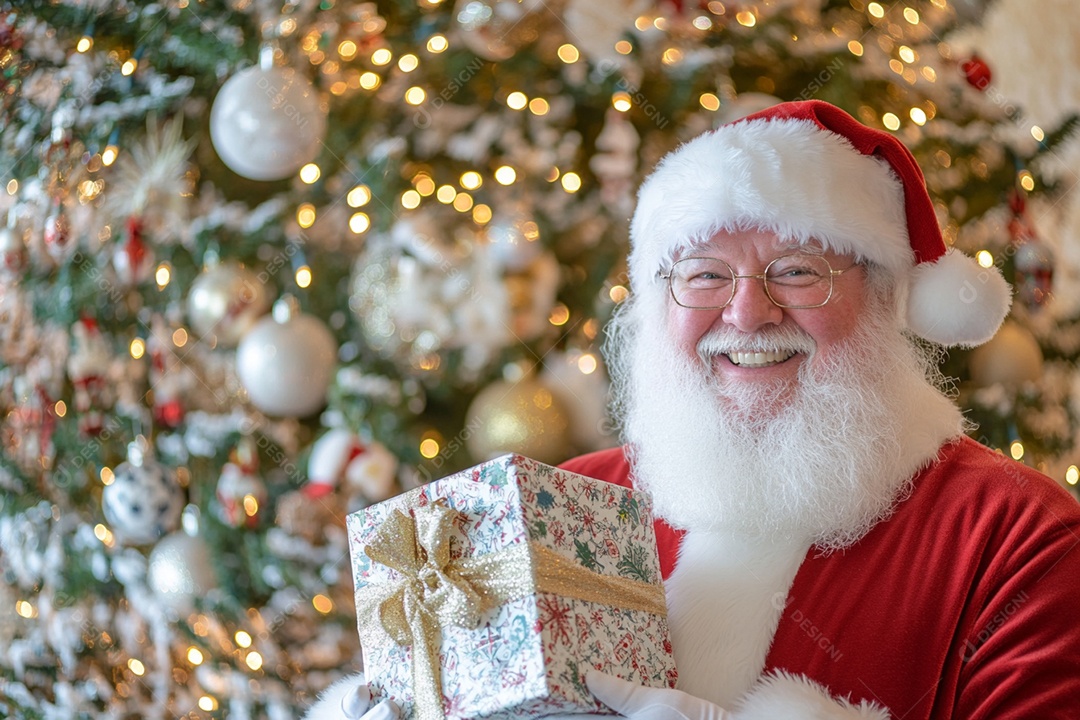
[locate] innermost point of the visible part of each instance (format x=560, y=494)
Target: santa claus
x=833, y=545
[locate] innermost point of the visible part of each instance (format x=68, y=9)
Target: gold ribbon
x=434, y=592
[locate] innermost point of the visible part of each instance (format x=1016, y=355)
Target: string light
x=242, y=639
x=1072, y=475
x=463, y=202
x=624, y=47
x=621, y=101
x=560, y=314
x=254, y=660
x=1016, y=449
x=505, y=175
x=481, y=214
x=709, y=101
x=471, y=180
x=129, y=67
x=382, y=56
x=180, y=337
x=855, y=48
x=984, y=258
x=911, y=15
x=746, y=18
x=415, y=95
x=571, y=182
x=322, y=603
x=410, y=199
x=12, y=186
x=85, y=43
x=305, y=215
x=207, y=703
x=445, y=194
x=408, y=62
x=194, y=655
x=437, y=44
x=1027, y=180
x=618, y=293
x=108, y=155
x=424, y=185
x=346, y=49
x=60, y=408
x=702, y=23
x=539, y=106
x=359, y=196
x=587, y=364
x=25, y=609
x=162, y=275
x=310, y=173
x=429, y=448
x=370, y=81
x=918, y=116
x=1036, y=132
x=517, y=100
x=906, y=54
x=876, y=10
x=136, y=666
x=303, y=276
x=568, y=53
x=891, y=121
x=359, y=223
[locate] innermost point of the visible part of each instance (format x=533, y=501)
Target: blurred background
x=263, y=263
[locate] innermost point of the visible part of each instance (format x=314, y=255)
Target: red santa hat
x=808, y=171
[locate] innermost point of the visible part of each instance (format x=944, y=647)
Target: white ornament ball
x=180, y=570
x=1012, y=357
x=226, y=300
x=143, y=502
x=286, y=367
x=266, y=123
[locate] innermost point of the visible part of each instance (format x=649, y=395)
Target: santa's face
x=752, y=340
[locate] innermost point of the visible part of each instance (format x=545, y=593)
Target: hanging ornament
x=225, y=301
x=56, y=234
x=241, y=494
x=133, y=260
x=313, y=520
x=976, y=72
x=27, y=430
x=496, y=29
x=267, y=121
x=1012, y=357
x=170, y=376
x=87, y=368
x=523, y=417
x=340, y=459
x=286, y=362
x=144, y=500
x=179, y=570
x=1033, y=259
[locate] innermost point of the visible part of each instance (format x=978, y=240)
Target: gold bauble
x=522, y=417
x=1012, y=357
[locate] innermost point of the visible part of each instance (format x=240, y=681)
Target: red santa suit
x=962, y=604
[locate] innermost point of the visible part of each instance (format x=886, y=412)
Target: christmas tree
x=264, y=263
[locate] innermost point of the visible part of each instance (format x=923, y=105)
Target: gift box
x=491, y=592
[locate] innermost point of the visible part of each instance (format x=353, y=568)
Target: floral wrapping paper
x=528, y=656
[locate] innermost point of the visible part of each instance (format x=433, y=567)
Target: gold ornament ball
x=1012, y=357
x=226, y=300
x=522, y=417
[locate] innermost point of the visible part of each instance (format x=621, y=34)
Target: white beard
x=822, y=459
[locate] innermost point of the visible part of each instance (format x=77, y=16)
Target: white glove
x=649, y=703
x=350, y=699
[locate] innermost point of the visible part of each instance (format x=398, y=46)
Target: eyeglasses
x=795, y=281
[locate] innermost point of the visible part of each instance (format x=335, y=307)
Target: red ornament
x=977, y=72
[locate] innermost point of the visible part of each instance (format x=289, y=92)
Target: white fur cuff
x=796, y=697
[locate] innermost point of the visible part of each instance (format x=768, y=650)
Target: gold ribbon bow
x=434, y=592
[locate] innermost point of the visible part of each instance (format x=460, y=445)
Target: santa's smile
x=759, y=358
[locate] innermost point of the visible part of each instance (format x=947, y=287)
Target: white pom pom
x=955, y=301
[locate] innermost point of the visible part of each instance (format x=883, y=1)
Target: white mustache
x=722, y=341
